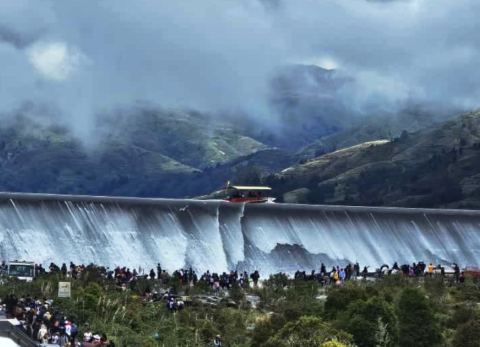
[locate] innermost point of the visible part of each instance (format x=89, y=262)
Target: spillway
x=219, y=236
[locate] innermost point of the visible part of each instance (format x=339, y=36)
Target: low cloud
x=55, y=60
x=83, y=58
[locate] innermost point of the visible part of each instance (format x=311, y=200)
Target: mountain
x=192, y=138
x=306, y=105
x=331, y=156
x=185, y=154
x=148, y=153
x=433, y=167
x=369, y=128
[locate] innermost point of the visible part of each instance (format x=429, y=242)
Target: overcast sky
x=80, y=58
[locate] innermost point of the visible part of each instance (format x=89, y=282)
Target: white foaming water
x=218, y=236
x=230, y=222
x=7, y=342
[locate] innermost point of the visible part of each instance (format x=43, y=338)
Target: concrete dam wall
x=220, y=236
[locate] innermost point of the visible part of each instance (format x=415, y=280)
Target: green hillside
x=437, y=167
x=149, y=153
x=158, y=153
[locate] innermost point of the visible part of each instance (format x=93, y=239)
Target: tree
x=417, y=325
x=339, y=298
x=371, y=323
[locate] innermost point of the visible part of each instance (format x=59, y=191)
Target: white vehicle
x=23, y=270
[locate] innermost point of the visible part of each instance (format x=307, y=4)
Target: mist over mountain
x=82, y=59
x=307, y=102
x=155, y=155
x=174, y=98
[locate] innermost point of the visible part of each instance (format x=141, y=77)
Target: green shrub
x=265, y=327
x=435, y=287
x=207, y=331
x=370, y=321
x=417, y=325
x=333, y=343
x=468, y=334
x=307, y=331
x=461, y=314
x=339, y=298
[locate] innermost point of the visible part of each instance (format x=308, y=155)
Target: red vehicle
x=250, y=194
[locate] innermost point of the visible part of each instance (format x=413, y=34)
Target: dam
x=219, y=236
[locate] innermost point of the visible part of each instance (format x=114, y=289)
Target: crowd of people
x=217, y=281
x=40, y=321
x=339, y=275
x=221, y=282
x=125, y=277
x=43, y=323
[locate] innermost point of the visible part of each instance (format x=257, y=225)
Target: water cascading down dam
x=220, y=236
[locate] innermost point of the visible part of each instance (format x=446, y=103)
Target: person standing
x=255, y=276
x=356, y=270
x=456, y=270
x=430, y=270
